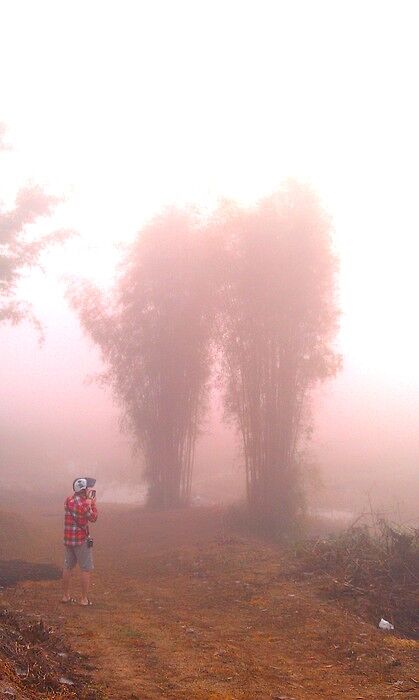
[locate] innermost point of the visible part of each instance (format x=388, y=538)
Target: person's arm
x=87, y=509
x=92, y=514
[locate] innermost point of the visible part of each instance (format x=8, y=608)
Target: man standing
x=80, y=509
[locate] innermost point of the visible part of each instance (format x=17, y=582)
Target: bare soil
x=185, y=608
x=14, y=570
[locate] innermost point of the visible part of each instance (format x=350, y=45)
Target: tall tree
x=154, y=336
x=277, y=321
x=20, y=247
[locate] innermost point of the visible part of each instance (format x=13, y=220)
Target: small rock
x=394, y=662
x=66, y=681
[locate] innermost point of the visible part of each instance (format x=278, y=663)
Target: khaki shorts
x=80, y=554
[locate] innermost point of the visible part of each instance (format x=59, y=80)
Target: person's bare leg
x=85, y=585
x=66, y=585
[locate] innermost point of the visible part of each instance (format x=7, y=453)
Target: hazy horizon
x=122, y=111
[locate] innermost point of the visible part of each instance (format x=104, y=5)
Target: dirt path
x=189, y=611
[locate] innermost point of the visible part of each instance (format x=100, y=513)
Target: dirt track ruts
x=186, y=609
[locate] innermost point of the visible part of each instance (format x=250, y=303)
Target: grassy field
x=186, y=608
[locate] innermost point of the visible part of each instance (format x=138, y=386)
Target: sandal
x=69, y=601
x=86, y=605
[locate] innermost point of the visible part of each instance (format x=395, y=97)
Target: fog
x=209, y=374
x=56, y=421
x=162, y=118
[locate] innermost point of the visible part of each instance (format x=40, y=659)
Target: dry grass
x=374, y=567
x=37, y=663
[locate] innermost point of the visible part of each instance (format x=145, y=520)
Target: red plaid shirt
x=76, y=517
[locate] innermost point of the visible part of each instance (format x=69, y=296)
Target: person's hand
x=88, y=501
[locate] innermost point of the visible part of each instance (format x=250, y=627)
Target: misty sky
x=124, y=107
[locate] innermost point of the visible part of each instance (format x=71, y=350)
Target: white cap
x=83, y=482
x=79, y=485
